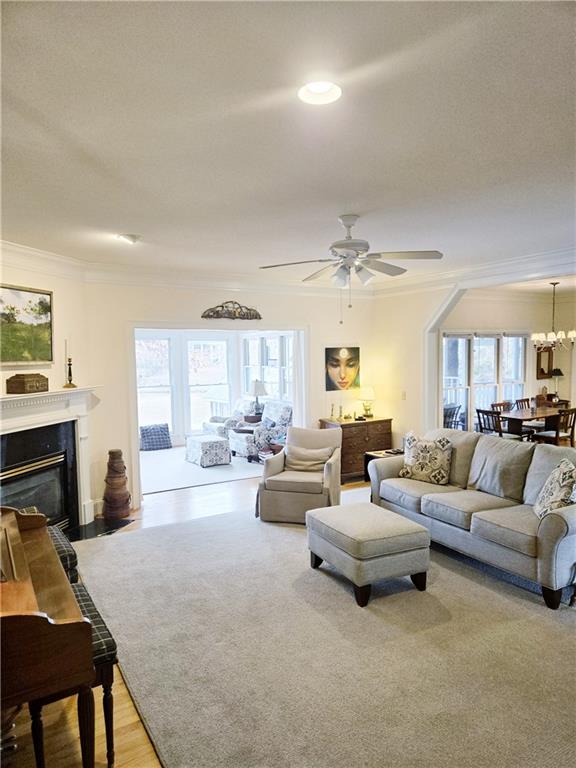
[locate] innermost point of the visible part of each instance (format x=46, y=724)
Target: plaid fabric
x=103, y=644
x=155, y=437
x=65, y=552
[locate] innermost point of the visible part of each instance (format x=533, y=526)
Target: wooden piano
x=46, y=642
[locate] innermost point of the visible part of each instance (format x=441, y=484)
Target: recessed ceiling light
x=132, y=239
x=322, y=92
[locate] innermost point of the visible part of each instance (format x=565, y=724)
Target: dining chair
x=490, y=423
x=535, y=426
x=557, y=428
x=508, y=405
x=451, y=420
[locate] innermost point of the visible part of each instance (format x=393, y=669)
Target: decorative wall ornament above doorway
x=231, y=310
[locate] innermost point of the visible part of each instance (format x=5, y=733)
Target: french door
x=184, y=377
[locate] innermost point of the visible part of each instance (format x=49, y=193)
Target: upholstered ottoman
x=207, y=450
x=366, y=542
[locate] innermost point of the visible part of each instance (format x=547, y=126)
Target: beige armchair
x=286, y=494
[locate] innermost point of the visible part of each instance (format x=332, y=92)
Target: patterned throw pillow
x=155, y=437
x=427, y=460
x=268, y=423
x=557, y=490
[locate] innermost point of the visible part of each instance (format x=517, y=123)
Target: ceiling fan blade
x=381, y=266
x=292, y=263
x=314, y=275
x=405, y=255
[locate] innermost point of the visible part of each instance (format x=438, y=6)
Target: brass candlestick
x=69, y=384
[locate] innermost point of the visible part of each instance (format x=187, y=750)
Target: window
x=478, y=371
x=269, y=358
x=208, y=380
x=153, y=377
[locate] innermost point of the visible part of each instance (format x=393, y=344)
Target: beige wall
x=499, y=310
x=98, y=319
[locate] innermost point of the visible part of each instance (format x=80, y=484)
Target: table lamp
x=257, y=388
x=556, y=373
x=367, y=397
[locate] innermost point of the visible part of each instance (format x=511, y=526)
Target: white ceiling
x=180, y=121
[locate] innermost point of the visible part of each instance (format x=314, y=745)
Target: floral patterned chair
x=221, y=425
x=252, y=438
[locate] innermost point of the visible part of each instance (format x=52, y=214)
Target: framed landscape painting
x=25, y=325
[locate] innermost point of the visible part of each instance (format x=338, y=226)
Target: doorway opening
x=193, y=387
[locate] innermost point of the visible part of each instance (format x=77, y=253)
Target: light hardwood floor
x=133, y=748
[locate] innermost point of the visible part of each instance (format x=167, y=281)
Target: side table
x=369, y=455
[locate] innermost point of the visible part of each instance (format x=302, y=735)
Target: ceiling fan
x=351, y=255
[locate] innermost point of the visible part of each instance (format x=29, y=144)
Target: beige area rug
x=168, y=470
x=239, y=655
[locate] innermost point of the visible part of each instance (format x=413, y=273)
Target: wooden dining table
x=517, y=417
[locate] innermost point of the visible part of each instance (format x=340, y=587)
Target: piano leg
x=107, y=678
x=37, y=733
x=86, y=725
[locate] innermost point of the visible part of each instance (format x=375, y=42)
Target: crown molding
x=534, y=266
x=489, y=274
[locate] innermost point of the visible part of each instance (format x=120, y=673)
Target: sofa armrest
x=332, y=477
x=557, y=548
x=273, y=465
x=383, y=469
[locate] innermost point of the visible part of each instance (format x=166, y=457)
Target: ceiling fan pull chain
x=349, y=290
x=340, y=306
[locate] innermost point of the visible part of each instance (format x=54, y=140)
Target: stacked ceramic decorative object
x=116, y=495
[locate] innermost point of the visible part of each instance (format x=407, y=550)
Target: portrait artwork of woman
x=342, y=368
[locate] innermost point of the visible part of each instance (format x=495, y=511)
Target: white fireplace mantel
x=20, y=412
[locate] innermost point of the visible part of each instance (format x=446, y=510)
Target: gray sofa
x=486, y=509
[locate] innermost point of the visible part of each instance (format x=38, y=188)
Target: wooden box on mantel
x=26, y=383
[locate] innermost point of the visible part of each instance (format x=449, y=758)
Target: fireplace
x=38, y=468
x=66, y=414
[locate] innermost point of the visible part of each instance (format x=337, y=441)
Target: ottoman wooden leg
x=419, y=580
x=315, y=561
x=362, y=594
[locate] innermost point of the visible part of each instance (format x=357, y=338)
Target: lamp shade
x=367, y=394
x=557, y=372
x=257, y=388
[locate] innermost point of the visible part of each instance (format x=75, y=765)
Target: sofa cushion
x=544, y=460
x=513, y=527
x=499, y=467
x=427, y=460
x=407, y=493
x=457, y=508
x=306, y=459
x=296, y=482
x=365, y=530
x=463, y=445
x=557, y=489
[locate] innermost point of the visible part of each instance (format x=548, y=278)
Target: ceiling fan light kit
x=352, y=254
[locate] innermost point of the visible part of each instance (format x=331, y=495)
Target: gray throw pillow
x=427, y=460
x=557, y=490
x=306, y=459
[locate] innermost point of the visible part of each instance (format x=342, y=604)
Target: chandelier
x=553, y=339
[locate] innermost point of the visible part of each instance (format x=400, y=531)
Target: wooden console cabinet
x=357, y=438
